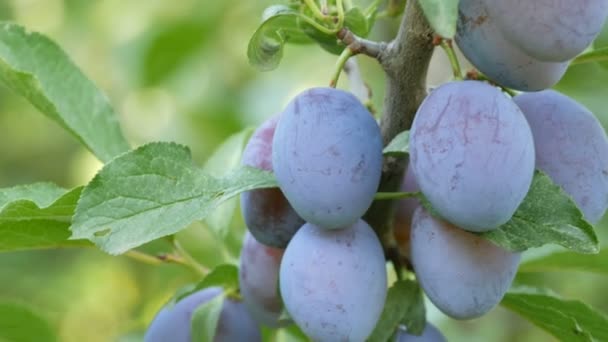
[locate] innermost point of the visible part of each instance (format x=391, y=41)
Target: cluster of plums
x=473, y=154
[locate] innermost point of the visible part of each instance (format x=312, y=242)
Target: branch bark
x=405, y=61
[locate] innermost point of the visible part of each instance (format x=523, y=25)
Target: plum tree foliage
x=450, y=207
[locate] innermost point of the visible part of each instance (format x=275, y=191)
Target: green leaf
x=568, y=261
x=225, y=159
x=546, y=216
x=21, y=324
x=597, y=55
x=404, y=305
x=37, y=216
x=152, y=192
x=355, y=20
x=442, y=16
x=399, y=146
x=225, y=276
x=280, y=26
x=567, y=320
x=205, y=319
x=35, y=67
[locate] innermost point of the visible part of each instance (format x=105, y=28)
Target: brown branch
x=360, y=45
x=405, y=61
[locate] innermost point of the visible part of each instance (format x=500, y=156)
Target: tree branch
x=405, y=61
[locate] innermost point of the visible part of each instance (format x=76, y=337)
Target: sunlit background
x=178, y=71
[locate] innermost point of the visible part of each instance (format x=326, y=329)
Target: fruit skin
x=173, y=323
x=472, y=153
x=484, y=44
x=550, y=30
x=463, y=274
x=571, y=147
x=327, y=157
x=333, y=282
x=266, y=212
x=259, y=279
x=430, y=334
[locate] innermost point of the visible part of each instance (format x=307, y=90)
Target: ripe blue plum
x=259, y=280
x=484, y=44
x=571, y=147
x=404, y=212
x=327, y=157
x=430, y=334
x=549, y=30
x=173, y=323
x=472, y=153
x=333, y=282
x=266, y=212
x=463, y=274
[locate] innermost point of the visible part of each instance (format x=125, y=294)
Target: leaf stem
x=316, y=25
x=340, y=8
x=344, y=56
x=316, y=11
x=395, y=195
x=195, y=265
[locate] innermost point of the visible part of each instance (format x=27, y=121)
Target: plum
x=463, y=274
x=333, y=282
x=173, y=323
x=571, y=147
x=549, y=30
x=484, y=44
x=259, y=280
x=472, y=153
x=327, y=157
x=266, y=212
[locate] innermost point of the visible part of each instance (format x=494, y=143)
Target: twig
x=360, y=45
x=405, y=60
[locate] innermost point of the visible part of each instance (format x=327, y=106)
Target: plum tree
x=463, y=274
x=333, y=282
x=259, y=280
x=404, y=212
x=571, y=147
x=483, y=43
x=266, y=212
x=549, y=30
x=430, y=334
x=472, y=154
x=327, y=157
x=173, y=323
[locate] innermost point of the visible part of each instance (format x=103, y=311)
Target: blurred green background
x=178, y=71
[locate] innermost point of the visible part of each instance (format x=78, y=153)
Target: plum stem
x=405, y=61
x=344, y=56
x=446, y=45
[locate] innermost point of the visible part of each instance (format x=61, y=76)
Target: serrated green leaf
x=280, y=26
x=225, y=159
x=225, y=276
x=19, y=323
x=399, y=146
x=35, y=67
x=355, y=20
x=567, y=320
x=597, y=55
x=152, y=192
x=404, y=305
x=205, y=319
x=546, y=216
x=568, y=261
x=442, y=16
x=37, y=216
